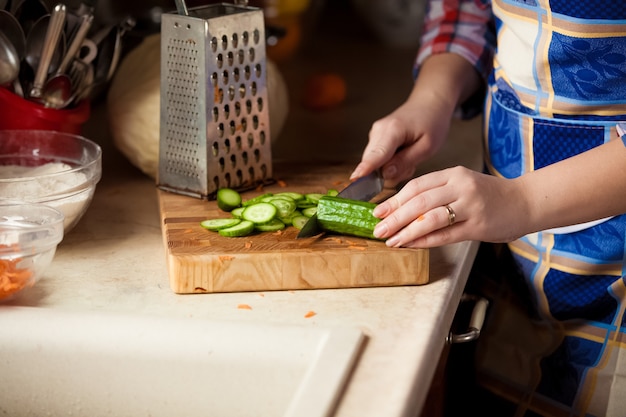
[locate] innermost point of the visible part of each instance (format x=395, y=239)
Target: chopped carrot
x=281, y=183
x=420, y=218
x=309, y=314
x=278, y=233
x=13, y=278
x=225, y=257
x=357, y=247
x=248, y=245
x=244, y=307
x=188, y=231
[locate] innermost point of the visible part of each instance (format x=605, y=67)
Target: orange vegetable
x=12, y=278
x=324, y=91
x=244, y=307
x=309, y=314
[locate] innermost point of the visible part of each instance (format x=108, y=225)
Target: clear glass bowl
x=58, y=169
x=29, y=235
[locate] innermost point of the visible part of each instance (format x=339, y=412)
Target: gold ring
x=451, y=215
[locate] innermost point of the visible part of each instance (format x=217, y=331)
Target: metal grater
x=214, y=130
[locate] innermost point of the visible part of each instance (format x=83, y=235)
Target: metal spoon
x=12, y=29
x=57, y=93
x=9, y=62
x=53, y=33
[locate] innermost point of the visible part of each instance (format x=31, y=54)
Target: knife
x=363, y=189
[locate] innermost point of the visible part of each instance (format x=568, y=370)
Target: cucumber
x=272, y=226
x=293, y=195
x=347, y=217
x=228, y=199
x=237, y=212
x=217, y=224
x=309, y=211
x=255, y=200
x=284, y=206
x=313, y=198
x=299, y=221
x=243, y=228
x=260, y=213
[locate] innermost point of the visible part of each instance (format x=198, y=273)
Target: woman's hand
x=481, y=207
x=419, y=127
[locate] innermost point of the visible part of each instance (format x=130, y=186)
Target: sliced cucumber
x=260, y=213
x=289, y=219
x=313, y=198
x=243, y=228
x=299, y=221
x=294, y=196
x=272, y=226
x=218, y=224
x=255, y=200
x=332, y=192
x=284, y=206
x=228, y=199
x=237, y=212
x=310, y=211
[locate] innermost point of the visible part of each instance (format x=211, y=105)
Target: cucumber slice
x=332, y=192
x=284, y=206
x=272, y=226
x=237, y=212
x=218, y=224
x=309, y=212
x=313, y=198
x=293, y=195
x=228, y=199
x=299, y=221
x=243, y=228
x=255, y=200
x=289, y=219
x=260, y=213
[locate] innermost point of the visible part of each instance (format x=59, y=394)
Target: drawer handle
x=476, y=322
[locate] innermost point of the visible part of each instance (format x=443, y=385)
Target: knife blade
x=363, y=189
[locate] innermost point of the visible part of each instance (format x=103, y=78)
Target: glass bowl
x=29, y=235
x=58, y=169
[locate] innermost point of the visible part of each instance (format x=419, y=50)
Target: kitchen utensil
x=27, y=12
x=58, y=91
x=12, y=29
x=53, y=33
x=364, y=189
x=76, y=43
x=201, y=261
x=9, y=62
x=214, y=119
x=34, y=45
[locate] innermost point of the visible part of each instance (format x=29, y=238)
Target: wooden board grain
x=200, y=261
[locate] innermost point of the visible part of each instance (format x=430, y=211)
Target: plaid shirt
x=464, y=27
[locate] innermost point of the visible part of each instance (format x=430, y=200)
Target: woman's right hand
x=418, y=128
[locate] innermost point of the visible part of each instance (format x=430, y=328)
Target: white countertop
x=114, y=261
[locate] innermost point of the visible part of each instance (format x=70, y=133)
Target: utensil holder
x=214, y=120
x=19, y=113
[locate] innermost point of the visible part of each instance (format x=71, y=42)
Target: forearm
x=445, y=78
x=583, y=188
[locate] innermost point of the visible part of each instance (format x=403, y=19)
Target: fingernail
x=392, y=242
x=381, y=230
x=355, y=174
x=379, y=211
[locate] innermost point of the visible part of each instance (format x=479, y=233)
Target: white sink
x=60, y=363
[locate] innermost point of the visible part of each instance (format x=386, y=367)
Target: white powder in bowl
x=66, y=196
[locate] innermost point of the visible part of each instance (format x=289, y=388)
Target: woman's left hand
x=450, y=206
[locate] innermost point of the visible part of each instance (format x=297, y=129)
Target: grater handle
x=181, y=7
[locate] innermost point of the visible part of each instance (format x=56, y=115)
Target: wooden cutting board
x=200, y=261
